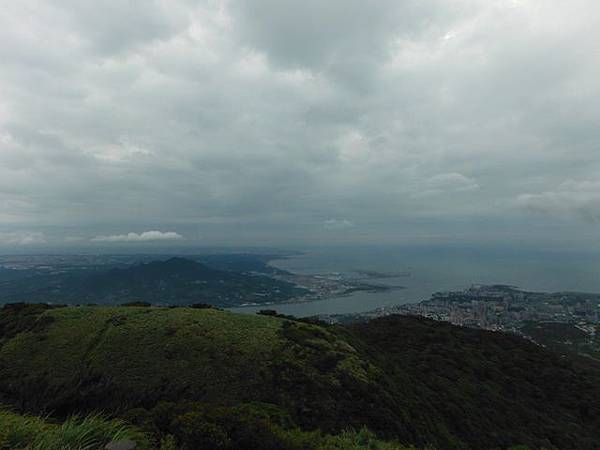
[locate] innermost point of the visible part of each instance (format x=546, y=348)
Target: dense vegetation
x=76, y=433
x=564, y=338
x=490, y=387
x=243, y=262
x=176, y=281
x=210, y=378
x=94, y=432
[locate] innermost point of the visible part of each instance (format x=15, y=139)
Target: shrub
x=76, y=433
x=138, y=304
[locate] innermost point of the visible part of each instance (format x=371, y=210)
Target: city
x=565, y=321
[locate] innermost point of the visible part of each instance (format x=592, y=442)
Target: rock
x=121, y=445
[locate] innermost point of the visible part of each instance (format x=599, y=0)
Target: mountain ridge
x=412, y=380
x=175, y=281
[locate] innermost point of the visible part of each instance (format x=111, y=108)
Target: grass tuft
x=91, y=432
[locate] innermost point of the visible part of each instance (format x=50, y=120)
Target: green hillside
x=94, y=432
x=192, y=373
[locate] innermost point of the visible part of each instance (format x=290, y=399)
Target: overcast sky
x=274, y=122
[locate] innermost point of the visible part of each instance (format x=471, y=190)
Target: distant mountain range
x=175, y=281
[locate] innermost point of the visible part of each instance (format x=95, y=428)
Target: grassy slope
x=118, y=358
x=141, y=352
x=77, y=433
x=406, y=379
x=25, y=432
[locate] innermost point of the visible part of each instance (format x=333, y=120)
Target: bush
x=194, y=430
x=362, y=440
x=138, y=304
x=202, y=306
x=76, y=433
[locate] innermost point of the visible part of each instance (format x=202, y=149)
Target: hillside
x=410, y=380
x=565, y=338
x=95, y=432
x=175, y=281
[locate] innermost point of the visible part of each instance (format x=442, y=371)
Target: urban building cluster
x=499, y=308
x=506, y=308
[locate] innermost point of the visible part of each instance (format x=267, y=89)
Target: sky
x=280, y=122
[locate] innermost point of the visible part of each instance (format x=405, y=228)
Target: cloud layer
x=580, y=199
x=20, y=238
x=338, y=224
x=258, y=122
x=146, y=236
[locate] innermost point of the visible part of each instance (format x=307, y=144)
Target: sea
x=424, y=270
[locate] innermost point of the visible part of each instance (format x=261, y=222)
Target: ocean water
x=434, y=269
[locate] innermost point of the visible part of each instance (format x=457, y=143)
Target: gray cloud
x=250, y=122
x=338, y=224
x=571, y=199
x=317, y=34
x=116, y=26
x=21, y=238
x=445, y=183
x=145, y=236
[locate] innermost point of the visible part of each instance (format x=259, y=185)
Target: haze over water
x=439, y=268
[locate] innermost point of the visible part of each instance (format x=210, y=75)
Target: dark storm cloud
x=272, y=121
